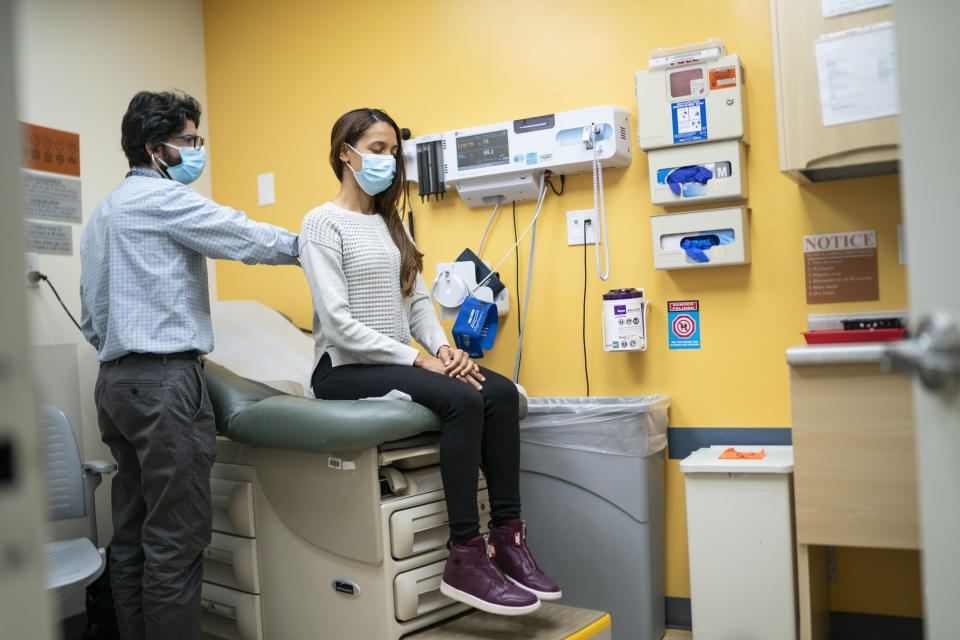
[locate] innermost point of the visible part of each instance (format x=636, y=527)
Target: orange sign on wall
x=52, y=150
x=723, y=78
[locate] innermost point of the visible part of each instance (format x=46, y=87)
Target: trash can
x=741, y=542
x=591, y=482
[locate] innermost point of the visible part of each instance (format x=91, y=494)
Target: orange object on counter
x=733, y=454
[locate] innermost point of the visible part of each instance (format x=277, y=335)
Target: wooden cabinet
x=854, y=465
x=810, y=152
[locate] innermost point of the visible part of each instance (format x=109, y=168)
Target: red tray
x=854, y=335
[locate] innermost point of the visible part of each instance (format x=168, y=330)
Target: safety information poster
x=49, y=238
x=683, y=324
x=50, y=196
x=689, y=120
x=841, y=267
x=50, y=174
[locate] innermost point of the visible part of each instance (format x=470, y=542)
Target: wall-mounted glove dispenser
x=692, y=122
x=713, y=238
x=698, y=173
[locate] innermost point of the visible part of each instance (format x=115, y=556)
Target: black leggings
x=478, y=428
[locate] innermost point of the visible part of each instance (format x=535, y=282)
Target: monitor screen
x=483, y=150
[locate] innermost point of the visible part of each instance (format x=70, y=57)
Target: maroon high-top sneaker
x=513, y=557
x=472, y=578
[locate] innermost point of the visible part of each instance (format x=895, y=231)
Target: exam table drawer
x=417, y=592
x=230, y=614
x=232, y=562
x=232, y=507
x=425, y=528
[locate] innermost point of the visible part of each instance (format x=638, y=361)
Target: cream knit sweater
x=359, y=313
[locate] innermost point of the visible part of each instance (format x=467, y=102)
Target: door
x=927, y=31
x=24, y=613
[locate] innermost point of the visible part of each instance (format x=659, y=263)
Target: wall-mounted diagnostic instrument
x=503, y=162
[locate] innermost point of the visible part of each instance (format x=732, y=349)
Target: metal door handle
x=933, y=356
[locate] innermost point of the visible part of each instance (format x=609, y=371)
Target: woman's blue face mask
x=376, y=171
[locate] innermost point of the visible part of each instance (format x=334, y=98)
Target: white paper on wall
x=857, y=70
x=833, y=8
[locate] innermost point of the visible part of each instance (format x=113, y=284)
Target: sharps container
x=624, y=320
x=741, y=542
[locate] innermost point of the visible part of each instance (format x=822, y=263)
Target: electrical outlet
x=575, y=227
x=31, y=262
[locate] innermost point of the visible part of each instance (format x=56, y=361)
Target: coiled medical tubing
x=598, y=182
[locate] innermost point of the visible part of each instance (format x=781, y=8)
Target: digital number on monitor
x=483, y=150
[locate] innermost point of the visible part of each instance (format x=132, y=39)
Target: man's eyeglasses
x=195, y=141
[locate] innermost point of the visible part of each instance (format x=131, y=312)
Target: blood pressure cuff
x=682, y=175
x=481, y=270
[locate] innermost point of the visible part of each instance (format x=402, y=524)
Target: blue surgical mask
x=191, y=164
x=376, y=172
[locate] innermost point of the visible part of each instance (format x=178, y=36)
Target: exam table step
x=549, y=622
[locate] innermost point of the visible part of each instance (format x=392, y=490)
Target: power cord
x=35, y=276
x=409, y=214
x=563, y=186
x=516, y=263
x=583, y=320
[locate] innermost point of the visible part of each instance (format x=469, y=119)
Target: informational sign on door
x=683, y=324
x=841, y=267
x=50, y=177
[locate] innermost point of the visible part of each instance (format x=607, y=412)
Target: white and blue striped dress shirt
x=143, y=281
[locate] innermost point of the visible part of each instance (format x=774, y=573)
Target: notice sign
x=49, y=238
x=50, y=196
x=683, y=324
x=841, y=267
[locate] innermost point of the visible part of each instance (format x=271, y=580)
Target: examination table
x=329, y=522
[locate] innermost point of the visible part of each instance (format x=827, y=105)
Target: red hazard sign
x=684, y=325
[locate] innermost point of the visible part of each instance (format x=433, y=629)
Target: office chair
x=75, y=563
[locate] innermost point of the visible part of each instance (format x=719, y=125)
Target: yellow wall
x=280, y=73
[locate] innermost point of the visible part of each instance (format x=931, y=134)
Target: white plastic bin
x=741, y=544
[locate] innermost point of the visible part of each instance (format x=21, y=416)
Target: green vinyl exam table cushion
x=256, y=414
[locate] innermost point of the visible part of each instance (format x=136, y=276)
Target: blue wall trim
x=682, y=441
x=854, y=626
x=678, y=613
x=843, y=625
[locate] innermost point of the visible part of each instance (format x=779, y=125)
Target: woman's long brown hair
x=349, y=128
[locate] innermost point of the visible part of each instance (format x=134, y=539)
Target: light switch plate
x=575, y=222
x=265, y=193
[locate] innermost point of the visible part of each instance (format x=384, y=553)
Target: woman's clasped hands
x=452, y=362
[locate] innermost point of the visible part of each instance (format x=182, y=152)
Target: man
x=146, y=309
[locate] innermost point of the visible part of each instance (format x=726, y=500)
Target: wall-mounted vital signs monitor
x=503, y=162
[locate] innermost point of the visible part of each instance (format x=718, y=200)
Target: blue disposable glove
x=696, y=246
x=681, y=175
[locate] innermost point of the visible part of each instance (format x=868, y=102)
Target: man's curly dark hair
x=154, y=117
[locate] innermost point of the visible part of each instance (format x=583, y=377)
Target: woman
x=368, y=298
